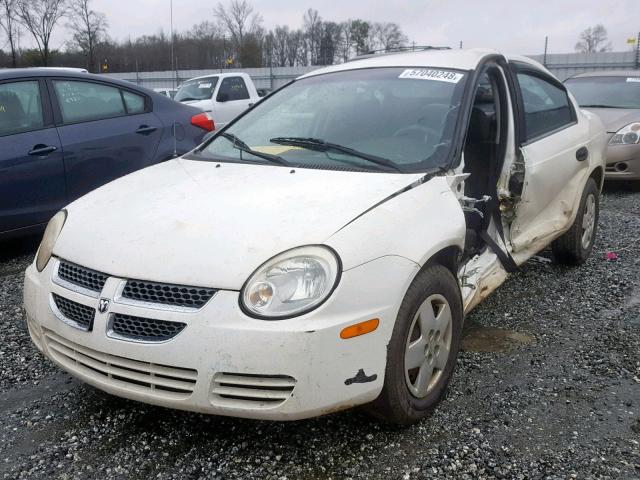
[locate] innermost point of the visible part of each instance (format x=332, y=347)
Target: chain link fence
x=563, y=65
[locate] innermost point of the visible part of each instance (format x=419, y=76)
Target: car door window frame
x=235, y=99
x=45, y=103
x=57, y=110
x=523, y=135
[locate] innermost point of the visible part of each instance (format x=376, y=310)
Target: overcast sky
x=512, y=26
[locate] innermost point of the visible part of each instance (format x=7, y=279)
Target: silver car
x=615, y=97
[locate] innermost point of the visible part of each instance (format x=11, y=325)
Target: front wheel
x=575, y=245
x=423, y=349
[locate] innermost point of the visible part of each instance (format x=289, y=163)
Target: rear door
x=32, y=181
x=554, y=153
x=107, y=131
x=231, y=100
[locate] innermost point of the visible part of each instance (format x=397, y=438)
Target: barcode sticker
x=429, y=74
x=633, y=79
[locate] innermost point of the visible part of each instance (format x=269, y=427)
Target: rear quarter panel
x=172, y=113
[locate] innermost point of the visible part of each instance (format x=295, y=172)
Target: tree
x=280, y=43
x=313, y=32
x=8, y=23
x=346, y=41
x=388, y=35
x=238, y=20
x=40, y=17
x=329, y=43
x=295, y=42
x=359, y=35
x=89, y=29
x=593, y=39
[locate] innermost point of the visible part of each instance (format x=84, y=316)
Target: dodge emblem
x=103, y=306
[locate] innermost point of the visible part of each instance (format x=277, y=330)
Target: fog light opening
x=621, y=167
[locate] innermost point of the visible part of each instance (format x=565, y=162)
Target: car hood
x=207, y=224
x=616, y=118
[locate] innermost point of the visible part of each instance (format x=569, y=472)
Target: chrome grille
x=251, y=391
x=81, y=315
x=143, y=329
x=167, y=294
x=173, y=383
x=81, y=276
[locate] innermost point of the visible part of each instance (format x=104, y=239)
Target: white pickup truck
x=223, y=96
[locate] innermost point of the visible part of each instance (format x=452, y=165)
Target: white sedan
x=322, y=251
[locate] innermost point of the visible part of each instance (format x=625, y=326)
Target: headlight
x=628, y=135
x=292, y=283
x=49, y=239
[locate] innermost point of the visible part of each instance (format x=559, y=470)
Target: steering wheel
x=427, y=133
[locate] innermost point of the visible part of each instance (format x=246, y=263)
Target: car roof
x=211, y=75
x=608, y=73
x=462, y=59
x=40, y=72
x=6, y=73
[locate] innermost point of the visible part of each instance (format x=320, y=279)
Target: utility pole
x=546, y=44
x=460, y=44
x=171, y=32
x=638, y=52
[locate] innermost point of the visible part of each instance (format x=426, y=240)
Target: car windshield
x=382, y=119
x=612, y=92
x=197, y=89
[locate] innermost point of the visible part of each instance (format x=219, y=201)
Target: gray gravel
x=548, y=387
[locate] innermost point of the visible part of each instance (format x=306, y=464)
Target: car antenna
x=175, y=141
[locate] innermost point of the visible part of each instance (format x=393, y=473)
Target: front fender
x=415, y=225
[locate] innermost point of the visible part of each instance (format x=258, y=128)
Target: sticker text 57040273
x=431, y=74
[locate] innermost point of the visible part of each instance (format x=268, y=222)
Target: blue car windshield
x=374, y=119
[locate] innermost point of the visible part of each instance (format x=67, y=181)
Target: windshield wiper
x=322, y=146
x=243, y=147
x=599, y=106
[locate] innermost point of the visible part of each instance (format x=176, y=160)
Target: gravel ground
x=548, y=387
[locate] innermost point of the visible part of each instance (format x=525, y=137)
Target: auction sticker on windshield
x=430, y=74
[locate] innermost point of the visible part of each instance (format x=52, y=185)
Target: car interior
x=483, y=156
x=14, y=117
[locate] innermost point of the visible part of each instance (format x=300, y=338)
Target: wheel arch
x=598, y=175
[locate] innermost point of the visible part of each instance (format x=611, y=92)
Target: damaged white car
x=321, y=251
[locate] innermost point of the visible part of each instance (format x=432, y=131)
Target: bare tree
x=329, y=43
x=359, y=30
x=89, y=29
x=388, y=35
x=347, y=40
x=9, y=23
x=238, y=20
x=280, y=43
x=40, y=17
x=593, y=39
x=295, y=42
x=313, y=31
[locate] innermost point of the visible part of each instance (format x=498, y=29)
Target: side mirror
x=223, y=97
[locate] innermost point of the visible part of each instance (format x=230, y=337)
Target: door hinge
x=469, y=204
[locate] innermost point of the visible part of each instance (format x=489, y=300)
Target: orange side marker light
x=361, y=328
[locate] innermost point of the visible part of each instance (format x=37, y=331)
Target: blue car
x=64, y=133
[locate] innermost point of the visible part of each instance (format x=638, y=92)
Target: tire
x=575, y=245
x=407, y=396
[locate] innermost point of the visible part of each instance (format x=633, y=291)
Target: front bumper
x=224, y=362
x=623, y=162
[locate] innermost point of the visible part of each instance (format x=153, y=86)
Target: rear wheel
x=423, y=349
x=575, y=245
